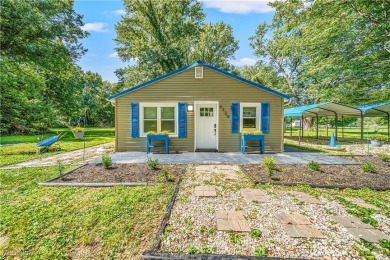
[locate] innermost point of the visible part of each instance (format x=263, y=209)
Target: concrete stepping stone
x=292, y=219
x=350, y=222
x=205, y=191
x=231, y=221
x=254, y=195
x=360, y=229
x=203, y=168
x=303, y=231
x=362, y=203
x=305, y=198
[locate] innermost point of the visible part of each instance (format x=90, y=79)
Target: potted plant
x=78, y=132
x=377, y=140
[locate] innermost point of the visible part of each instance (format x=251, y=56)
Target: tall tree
x=328, y=50
x=39, y=47
x=162, y=36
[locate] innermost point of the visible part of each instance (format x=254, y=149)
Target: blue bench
x=245, y=138
x=151, y=138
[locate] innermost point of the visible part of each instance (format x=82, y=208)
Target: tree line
x=319, y=50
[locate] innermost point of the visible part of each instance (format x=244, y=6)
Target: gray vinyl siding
x=183, y=87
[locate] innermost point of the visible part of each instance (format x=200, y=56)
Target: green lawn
x=27, y=151
x=66, y=222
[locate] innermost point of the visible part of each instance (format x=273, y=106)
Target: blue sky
x=100, y=18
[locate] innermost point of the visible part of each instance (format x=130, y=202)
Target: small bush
x=261, y=251
x=384, y=157
x=167, y=176
x=270, y=163
x=255, y=233
x=368, y=167
x=152, y=163
x=106, y=161
x=314, y=166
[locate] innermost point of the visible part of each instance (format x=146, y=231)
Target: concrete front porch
x=226, y=158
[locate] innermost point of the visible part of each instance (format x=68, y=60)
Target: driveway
x=226, y=158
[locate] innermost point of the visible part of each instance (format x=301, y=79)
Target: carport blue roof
x=329, y=109
x=378, y=109
x=199, y=63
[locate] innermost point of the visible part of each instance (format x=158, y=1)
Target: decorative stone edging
x=170, y=255
x=94, y=184
x=327, y=186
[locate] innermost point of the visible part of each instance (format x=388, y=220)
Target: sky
x=101, y=16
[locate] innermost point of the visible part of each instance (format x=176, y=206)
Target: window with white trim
x=249, y=116
x=158, y=117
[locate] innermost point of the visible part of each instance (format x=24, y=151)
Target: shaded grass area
x=61, y=223
x=26, y=151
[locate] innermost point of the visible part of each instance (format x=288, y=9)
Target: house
x=204, y=109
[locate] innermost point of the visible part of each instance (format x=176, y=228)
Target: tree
x=39, y=48
x=162, y=36
x=328, y=50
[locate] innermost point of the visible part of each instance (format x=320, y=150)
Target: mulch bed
x=329, y=175
x=93, y=173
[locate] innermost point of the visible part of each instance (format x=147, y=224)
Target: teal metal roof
x=375, y=110
x=199, y=63
x=329, y=109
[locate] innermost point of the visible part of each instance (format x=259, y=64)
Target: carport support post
x=361, y=126
x=302, y=125
x=342, y=126
x=317, y=125
x=336, y=124
x=291, y=122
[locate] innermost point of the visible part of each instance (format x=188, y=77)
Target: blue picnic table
x=151, y=138
x=245, y=138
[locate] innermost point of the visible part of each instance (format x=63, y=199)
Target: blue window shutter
x=182, y=120
x=235, y=117
x=265, y=111
x=135, y=120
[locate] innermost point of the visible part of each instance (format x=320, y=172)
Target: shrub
x=384, y=157
x=261, y=251
x=152, y=163
x=368, y=167
x=106, y=161
x=270, y=163
x=314, y=166
x=255, y=233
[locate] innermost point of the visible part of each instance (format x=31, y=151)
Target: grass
x=67, y=222
x=23, y=152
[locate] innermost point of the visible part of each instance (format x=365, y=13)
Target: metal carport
x=326, y=109
x=377, y=110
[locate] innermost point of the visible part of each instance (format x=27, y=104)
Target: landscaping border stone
x=310, y=184
x=170, y=255
x=94, y=184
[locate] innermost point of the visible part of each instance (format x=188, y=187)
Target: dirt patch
x=332, y=175
x=92, y=173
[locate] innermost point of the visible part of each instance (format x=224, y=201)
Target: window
x=158, y=117
x=249, y=116
x=206, y=111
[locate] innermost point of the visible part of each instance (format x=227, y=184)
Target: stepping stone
x=231, y=221
x=292, y=219
x=306, y=231
x=351, y=222
x=226, y=168
x=360, y=229
x=362, y=203
x=254, y=195
x=205, y=191
x=203, y=168
x=371, y=235
x=303, y=197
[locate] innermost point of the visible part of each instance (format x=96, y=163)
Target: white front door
x=206, y=126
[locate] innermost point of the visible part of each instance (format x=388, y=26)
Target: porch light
x=190, y=108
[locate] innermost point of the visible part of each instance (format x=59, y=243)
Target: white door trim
x=196, y=104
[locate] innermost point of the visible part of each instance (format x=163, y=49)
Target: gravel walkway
x=193, y=226
x=72, y=157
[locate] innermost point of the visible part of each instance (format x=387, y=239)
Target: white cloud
x=244, y=61
x=113, y=55
x=119, y=12
x=238, y=6
x=94, y=27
